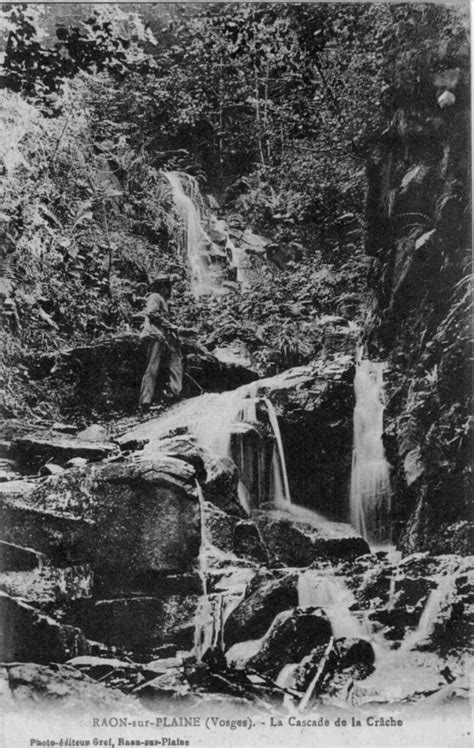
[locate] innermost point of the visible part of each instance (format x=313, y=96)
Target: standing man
x=163, y=342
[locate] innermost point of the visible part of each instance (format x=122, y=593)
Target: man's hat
x=161, y=280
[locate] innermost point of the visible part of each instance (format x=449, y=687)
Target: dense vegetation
x=273, y=108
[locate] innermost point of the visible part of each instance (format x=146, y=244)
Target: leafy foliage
x=269, y=105
x=39, y=70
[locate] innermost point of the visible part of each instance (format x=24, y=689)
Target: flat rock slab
x=49, y=586
x=101, y=667
x=33, y=451
x=63, y=686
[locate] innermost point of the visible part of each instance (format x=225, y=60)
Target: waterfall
x=193, y=241
x=280, y=485
x=205, y=628
x=316, y=590
x=213, y=608
x=234, y=424
x=215, y=427
x=227, y=591
x=331, y=594
x=431, y=612
x=370, y=496
x=235, y=413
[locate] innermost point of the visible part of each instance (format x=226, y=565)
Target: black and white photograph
x=236, y=409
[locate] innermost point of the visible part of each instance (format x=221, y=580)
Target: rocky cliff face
x=419, y=239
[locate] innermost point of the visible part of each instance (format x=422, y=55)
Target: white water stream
x=370, y=497
x=214, y=607
x=319, y=590
x=280, y=490
x=204, y=631
x=235, y=412
x=193, y=240
x=229, y=425
x=437, y=598
x=331, y=594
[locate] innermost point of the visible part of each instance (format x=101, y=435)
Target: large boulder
x=292, y=636
x=248, y=542
x=106, y=375
x=220, y=528
x=231, y=535
x=220, y=485
x=347, y=654
x=139, y=623
x=27, y=635
x=122, y=517
x=172, y=433
x=352, y=651
x=298, y=538
x=254, y=615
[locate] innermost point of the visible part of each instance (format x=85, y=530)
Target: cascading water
x=320, y=590
x=370, y=497
x=227, y=424
x=231, y=413
x=236, y=413
x=316, y=590
x=205, y=628
x=432, y=610
x=215, y=607
x=230, y=425
x=280, y=488
x=193, y=240
x=215, y=427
